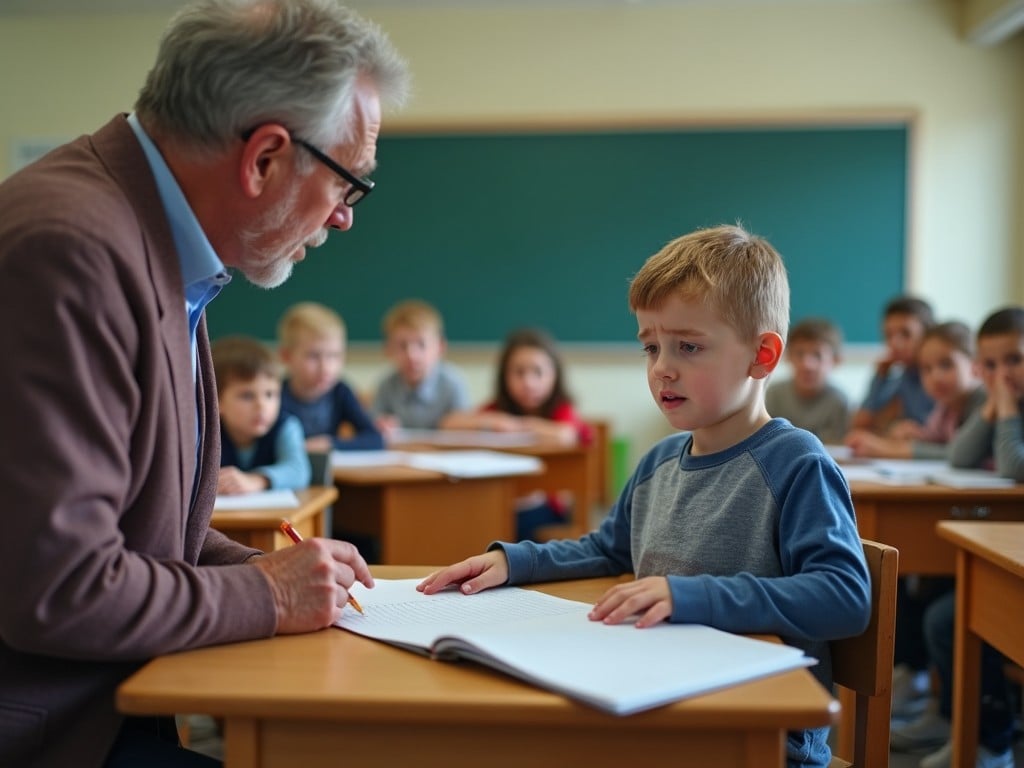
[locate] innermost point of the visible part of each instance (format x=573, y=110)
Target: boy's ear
x=768, y=355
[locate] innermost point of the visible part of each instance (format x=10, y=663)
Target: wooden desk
x=989, y=606
x=905, y=517
x=333, y=698
x=259, y=527
x=422, y=516
x=567, y=468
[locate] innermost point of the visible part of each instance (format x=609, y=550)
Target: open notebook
x=550, y=642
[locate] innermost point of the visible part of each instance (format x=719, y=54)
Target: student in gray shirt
x=423, y=388
x=808, y=400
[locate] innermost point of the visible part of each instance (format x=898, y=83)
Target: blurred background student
x=808, y=399
x=531, y=397
x=422, y=388
x=311, y=339
x=945, y=361
x=895, y=391
x=260, y=447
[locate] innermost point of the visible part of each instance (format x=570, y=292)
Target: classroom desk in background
x=574, y=468
x=904, y=516
x=259, y=528
x=332, y=697
x=420, y=515
x=990, y=607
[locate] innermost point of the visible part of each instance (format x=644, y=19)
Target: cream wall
x=60, y=76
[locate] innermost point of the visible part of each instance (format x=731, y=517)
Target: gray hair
x=226, y=66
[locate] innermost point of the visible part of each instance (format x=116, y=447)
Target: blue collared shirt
x=202, y=272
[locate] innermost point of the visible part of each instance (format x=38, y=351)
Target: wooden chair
x=862, y=670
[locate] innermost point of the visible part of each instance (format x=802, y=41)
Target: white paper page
x=463, y=437
x=258, y=500
x=369, y=458
x=552, y=643
x=476, y=463
x=970, y=478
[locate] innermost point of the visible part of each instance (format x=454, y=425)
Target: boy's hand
x=906, y=429
x=649, y=597
x=311, y=581
x=319, y=444
x=232, y=480
x=1005, y=399
x=474, y=574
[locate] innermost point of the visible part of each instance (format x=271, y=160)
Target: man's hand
x=310, y=582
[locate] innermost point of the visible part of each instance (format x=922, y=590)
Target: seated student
x=896, y=391
x=740, y=521
x=945, y=360
x=531, y=397
x=809, y=400
x=422, y=389
x=260, y=447
x=311, y=338
x=994, y=437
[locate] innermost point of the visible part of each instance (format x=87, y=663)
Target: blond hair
x=738, y=275
x=308, y=317
x=412, y=313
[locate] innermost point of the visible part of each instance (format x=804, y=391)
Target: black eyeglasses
x=359, y=187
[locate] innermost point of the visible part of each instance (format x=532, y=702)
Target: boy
x=260, y=447
x=423, y=389
x=740, y=522
x=994, y=434
x=312, y=347
x=896, y=391
x=809, y=400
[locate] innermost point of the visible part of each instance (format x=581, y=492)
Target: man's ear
x=768, y=354
x=266, y=154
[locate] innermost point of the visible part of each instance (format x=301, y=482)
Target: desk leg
x=966, y=667
x=241, y=743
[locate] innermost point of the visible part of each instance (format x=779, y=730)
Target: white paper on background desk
x=909, y=472
x=481, y=463
x=476, y=438
x=259, y=500
x=549, y=642
x=346, y=459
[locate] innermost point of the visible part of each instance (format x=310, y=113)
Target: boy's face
x=946, y=372
x=1001, y=358
x=530, y=377
x=314, y=363
x=699, y=372
x=812, y=363
x=249, y=409
x=903, y=334
x=414, y=351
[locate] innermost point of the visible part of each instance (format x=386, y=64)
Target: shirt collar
x=199, y=262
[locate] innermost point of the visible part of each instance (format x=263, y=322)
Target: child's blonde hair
x=241, y=358
x=308, y=317
x=415, y=314
x=738, y=275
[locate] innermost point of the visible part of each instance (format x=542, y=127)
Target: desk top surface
x=1000, y=543
x=312, y=501
x=863, y=489
x=334, y=674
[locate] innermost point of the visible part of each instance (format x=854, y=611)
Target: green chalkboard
x=500, y=230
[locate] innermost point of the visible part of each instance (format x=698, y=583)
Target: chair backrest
x=863, y=666
x=320, y=465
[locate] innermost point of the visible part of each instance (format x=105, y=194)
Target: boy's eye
x=650, y=349
x=689, y=348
